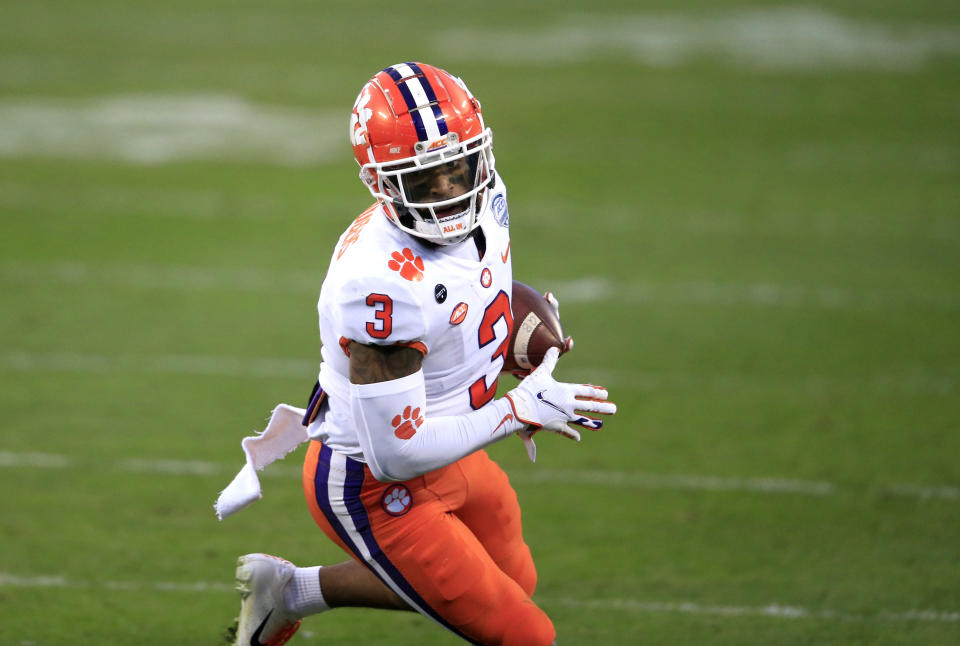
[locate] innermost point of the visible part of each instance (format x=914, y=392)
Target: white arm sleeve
x=399, y=442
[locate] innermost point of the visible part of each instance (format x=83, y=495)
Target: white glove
x=544, y=403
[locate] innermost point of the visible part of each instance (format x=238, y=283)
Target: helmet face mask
x=438, y=197
x=424, y=151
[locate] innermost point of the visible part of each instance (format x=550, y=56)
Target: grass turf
x=760, y=262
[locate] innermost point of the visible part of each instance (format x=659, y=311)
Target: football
x=536, y=328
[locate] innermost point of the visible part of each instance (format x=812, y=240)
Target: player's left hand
x=545, y=403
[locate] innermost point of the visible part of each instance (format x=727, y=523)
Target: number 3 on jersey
x=480, y=393
x=382, y=324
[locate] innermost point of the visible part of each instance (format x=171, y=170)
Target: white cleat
x=264, y=620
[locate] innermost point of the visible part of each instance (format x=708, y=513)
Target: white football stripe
x=524, y=333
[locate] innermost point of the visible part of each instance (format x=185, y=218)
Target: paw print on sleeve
x=406, y=425
x=407, y=263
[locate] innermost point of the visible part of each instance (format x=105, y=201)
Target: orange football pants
x=448, y=542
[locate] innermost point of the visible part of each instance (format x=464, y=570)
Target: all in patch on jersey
x=397, y=500
x=486, y=278
x=459, y=314
x=407, y=263
x=440, y=292
x=500, y=212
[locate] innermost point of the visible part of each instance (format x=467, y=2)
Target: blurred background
x=750, y=212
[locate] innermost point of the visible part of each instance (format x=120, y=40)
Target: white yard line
x=120, y=200
x=159, y=128
x=627, y=605
x=279, y=368
x=584, y=291
x=926, y=492
x=772, y=485
x=241, y=279
x=187, y=364
x=770, y=610
x=792, y=38
x=760, y=294
x=35, y=460
x=57, y=581
x=799, y=384
x=693, y=482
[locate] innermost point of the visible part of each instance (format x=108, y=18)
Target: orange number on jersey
x=353, y=233
x=384, y=315
x=480, y=393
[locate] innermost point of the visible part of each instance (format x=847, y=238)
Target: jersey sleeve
x=400, y=442
x=380, y=312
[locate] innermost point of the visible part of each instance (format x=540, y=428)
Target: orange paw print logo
x=406, y=425
x=409, y=265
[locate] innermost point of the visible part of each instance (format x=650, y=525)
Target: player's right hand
x=545, y=403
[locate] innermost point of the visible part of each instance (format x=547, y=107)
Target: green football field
x=750, y=212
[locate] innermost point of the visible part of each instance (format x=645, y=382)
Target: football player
x=415, y=319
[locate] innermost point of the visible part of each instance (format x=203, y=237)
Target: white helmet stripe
x=418, y=103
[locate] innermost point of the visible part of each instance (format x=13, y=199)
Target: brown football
x=535, y=329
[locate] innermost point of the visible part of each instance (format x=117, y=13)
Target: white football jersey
x=386, y=287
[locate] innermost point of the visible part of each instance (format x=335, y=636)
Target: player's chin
x=454, y=210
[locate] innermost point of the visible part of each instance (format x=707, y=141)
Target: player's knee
x=528, y=625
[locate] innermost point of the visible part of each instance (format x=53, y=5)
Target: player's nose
x=441, y=187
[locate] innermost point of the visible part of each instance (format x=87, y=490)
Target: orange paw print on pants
x=409, y=265
x=406, y=425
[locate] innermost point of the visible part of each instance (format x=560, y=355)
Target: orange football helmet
x=408, y=120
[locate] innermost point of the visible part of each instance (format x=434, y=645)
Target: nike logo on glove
x=550, y=403
x=506, y=418
x=255, y=638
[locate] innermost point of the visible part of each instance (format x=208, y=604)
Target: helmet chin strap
x=470, y=216
x=432, y=229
